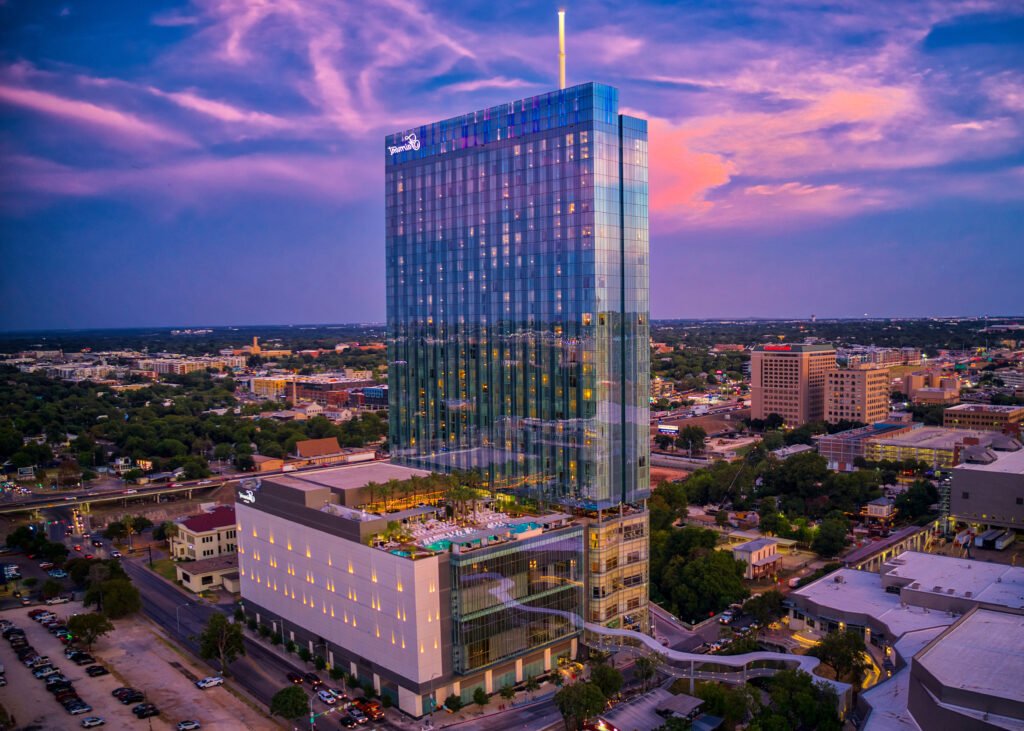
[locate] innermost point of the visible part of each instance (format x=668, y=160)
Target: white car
x=115, y=554
x=188, y=725
x=92, y=722
x=58, y=600
x=327, y=697
x=210, y=682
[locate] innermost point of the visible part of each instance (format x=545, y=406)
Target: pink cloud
x=680, y=176
x=196, y=181
x=222, y=110
x=94, y=115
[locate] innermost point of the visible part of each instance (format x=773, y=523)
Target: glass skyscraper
x=517, y=297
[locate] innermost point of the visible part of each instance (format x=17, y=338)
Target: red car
x=89, y=555
x=78, y=548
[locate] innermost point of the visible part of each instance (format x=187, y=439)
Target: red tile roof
x=220, y=517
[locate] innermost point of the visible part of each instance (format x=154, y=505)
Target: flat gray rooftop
x=862, y=592
x=984, y=653
x=347, y=477
x=1007, y=462
x=981, y=581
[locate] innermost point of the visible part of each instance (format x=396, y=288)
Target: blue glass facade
x=517, y=297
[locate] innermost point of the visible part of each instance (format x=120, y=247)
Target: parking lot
x=136, y=656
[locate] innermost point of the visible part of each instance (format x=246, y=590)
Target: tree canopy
x=89, y=627
x=291, y=702
x=578, y=702
x=221, y=640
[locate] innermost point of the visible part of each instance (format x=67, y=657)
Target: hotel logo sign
x=411, y=143
x=247, y=496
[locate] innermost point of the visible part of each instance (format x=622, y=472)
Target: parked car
x=94, y=671
x=188, y=726
x=146, y=710
x=210, y=682
x=92, y=722
x=356, y=715
x=58, y=600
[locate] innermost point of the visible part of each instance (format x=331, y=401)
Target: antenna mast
x=561, y=49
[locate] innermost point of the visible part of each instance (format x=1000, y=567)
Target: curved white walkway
x=806, y=663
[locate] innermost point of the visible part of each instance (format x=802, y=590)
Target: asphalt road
x=680, y=638
x=260, y=672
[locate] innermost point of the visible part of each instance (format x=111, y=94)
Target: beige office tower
x=789, y=380
x=860, y=394
x=617, y=551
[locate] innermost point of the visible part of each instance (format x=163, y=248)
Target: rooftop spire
x=561, y=49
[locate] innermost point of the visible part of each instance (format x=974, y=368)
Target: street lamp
x=177, y=614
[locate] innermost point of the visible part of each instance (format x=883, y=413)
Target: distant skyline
x=172, y=164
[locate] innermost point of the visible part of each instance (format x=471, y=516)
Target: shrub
x=453, y=702
x=319, y=663
x=336, y=673
x=480, y=697
x=264, y=631
x=352, y=681
x=251, y=623
x=305, y=654
x=290, y=647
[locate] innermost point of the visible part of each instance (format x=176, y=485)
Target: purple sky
x=220, y=161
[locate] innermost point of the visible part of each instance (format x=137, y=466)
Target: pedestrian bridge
x=721, y=668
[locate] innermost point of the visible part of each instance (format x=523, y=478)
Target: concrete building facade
x=988, y=488
x=790, y=380
x=449, y=608
x=987, y=417
x=859, y=394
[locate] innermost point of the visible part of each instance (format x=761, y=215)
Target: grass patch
x=166, y=568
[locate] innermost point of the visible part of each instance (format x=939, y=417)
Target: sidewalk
x=439, y=718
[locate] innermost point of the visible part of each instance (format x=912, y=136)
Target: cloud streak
x=106, y=119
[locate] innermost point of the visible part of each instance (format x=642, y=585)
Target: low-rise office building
x=984, y=417
x=879, y=510
x=210, y=573
x=761, y=557
x=419, y=605
x=206, y=535
x=910, y=592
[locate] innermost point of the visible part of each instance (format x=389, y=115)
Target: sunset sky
x=221, y=161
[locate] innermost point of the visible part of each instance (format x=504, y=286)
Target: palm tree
x=373, y=489
x=128, y=522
